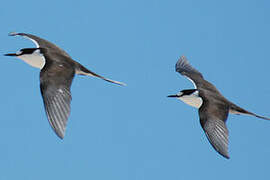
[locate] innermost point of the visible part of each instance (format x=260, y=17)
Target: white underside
x=36, y=59
x=192, y=100
x=196, y=101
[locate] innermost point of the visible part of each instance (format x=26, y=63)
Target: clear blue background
x=136, y=132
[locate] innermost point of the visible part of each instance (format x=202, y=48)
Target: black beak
x=173, y=96
x=10, y=54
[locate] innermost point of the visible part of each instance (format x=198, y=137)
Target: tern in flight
x=57, y=72
x=213, y=106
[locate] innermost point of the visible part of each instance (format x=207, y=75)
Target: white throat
x=36, y=59
x=193, y=100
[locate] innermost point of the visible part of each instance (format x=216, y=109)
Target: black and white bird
x=213, y=106
x=57, y=72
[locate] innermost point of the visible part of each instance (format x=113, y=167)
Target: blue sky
x=135, y=132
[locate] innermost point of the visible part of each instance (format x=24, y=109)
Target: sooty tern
x=213, y=106
x=57, y=72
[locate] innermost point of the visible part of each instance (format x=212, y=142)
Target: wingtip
x=13, y=34
x=223, y=153
x=226, y=155
x=60, y=135
x=122, y=84
x=16, y=34
x=180, y=61
x=182, y=57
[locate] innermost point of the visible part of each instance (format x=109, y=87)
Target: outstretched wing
x=213, y=116
x=184, y=68
x=55, y=82
x=39, y=42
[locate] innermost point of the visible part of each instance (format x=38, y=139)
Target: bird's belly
x=37, y=61
x=193, y=101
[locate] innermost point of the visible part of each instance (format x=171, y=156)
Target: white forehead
x=19, y=52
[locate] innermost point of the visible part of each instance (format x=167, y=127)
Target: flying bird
x=213, y=106
x=57, y=72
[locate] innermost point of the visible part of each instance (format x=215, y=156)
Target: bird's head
x=27, y=51
x=32, y=56
x=189, y=96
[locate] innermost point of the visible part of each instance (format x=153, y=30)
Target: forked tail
x=83, y=71
x=234, y=109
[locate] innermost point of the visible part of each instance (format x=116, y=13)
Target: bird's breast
x=192, y=100
x=36, y=60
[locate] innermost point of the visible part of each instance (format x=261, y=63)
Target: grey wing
x=39, y=42
x=184, y=68
x=55, y=89
x=217, y=134
x=57, y=107
x=212, y=118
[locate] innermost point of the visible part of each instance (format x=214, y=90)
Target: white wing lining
x=191, y=81
x=17, y=34
x=35, y=42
